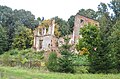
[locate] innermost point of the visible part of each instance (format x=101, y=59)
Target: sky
x=51, y=8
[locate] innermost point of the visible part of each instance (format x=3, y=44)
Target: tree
x=63, y=26
x=106, y=26
x=65, y=63
x=23, y=38
x=91, y=42
x=114, y=37
x=115, y=6
x=26, y=18
x=11, y=19
x=6, y=20
x=5, y=15
x=52, y=64
x=3, y=39
x=71, y=23
x=90, y=13
x=114, y=46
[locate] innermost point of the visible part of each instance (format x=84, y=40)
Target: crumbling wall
x=43, y=38
x=80, y=21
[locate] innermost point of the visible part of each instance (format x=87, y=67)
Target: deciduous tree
x=3, y=39
x=23, y=38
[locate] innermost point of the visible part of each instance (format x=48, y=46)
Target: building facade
x=45, y=39
x=81, y=21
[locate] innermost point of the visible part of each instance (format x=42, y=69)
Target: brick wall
x=80, y=21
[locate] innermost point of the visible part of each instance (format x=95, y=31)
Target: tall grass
x=20, y=73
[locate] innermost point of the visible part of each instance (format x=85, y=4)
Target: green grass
x=20, y=73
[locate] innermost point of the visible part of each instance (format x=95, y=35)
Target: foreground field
x=19, y=73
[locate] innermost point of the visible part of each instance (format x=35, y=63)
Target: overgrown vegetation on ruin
x=99, y=47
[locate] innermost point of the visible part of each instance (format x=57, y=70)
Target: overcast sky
x=50, y=8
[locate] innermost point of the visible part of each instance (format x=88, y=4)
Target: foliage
x=21, y=56
x=115, y=6
x=80, y=60
x=25, y=17
x=90, y=38
x=6, y=58
x=11, y=19
x=71, y=23
x=90, y=42
x=100, y=45
x=81, y=63
x=52, y=64
x=65, y=63
x=63, y=26
x=114, y=46
x=57, y=32
x=23, y=38
x=106, y=28
x=47, y=23
x=81, y=69
x=3, y=39
x=90, y=13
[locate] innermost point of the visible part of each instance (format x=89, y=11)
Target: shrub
x=115, y=71
x=6, y=59
x=20, y=57
x=65, y=62
x=81, y=69
x=13, y=52
x=52, y=64
x=80, y=60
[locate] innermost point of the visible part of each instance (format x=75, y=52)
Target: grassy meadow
x=21, y=73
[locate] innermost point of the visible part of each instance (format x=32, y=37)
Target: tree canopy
x=23, y=38
x=3, y=39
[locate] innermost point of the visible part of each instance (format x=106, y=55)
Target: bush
x=81, y=63
x=80, y=60
x=6, y=59
x=13, y=52
x=52, y=64
x=81, y=69
x=115, y=71
x=21, y=57
x=65, y=62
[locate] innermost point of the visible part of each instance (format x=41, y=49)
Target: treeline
x=12, y=24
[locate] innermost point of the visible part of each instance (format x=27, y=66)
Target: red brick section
x=88, y=20
x=80, y=21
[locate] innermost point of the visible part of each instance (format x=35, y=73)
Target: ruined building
x=80, y=21
x=45, y=39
